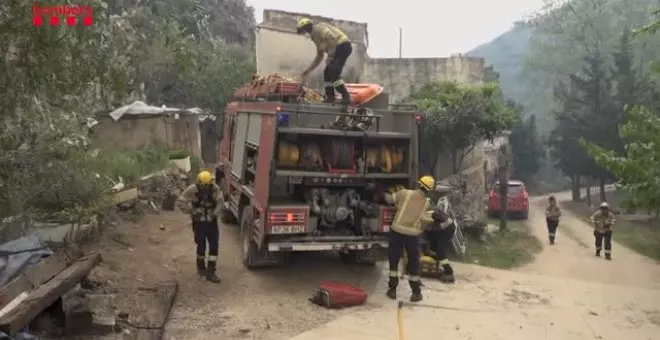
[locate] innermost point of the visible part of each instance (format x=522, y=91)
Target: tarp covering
x=141, y=108
x=23, y=253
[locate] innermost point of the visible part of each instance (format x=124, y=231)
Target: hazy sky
x=431, y=28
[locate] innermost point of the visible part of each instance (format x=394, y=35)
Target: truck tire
x=249, y=250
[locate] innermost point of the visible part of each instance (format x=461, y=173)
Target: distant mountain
x=506, y=54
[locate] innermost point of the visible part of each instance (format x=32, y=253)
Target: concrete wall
x=356, y=31
x=140, y=132
x=402, y=76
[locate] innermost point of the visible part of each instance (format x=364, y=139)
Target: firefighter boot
x=210, y=273
x=201, y=267
x=447, y=274
x=391, y=287
x=597, y=252
x=608, y=256
x=329, y=95
x=416, y=287
x=345, y=97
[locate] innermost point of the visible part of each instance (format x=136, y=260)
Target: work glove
x=197, y=215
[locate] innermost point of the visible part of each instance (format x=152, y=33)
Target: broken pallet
x=45, y=295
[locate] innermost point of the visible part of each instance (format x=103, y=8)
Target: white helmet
x=604, y=205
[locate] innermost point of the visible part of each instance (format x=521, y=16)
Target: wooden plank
x=33, y=277
x=13, y=304
x=44, y=296
x=125, y=195
x=152, y=321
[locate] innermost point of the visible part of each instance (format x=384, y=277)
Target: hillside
x=506, y=54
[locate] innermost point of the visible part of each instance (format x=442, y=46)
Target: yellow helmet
x=426, y=182
x=205, y=178
x=302, y=23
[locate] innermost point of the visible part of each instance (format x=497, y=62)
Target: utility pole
x=503, y=174
x=400, y=43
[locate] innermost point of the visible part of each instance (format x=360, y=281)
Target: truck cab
x=294, y=182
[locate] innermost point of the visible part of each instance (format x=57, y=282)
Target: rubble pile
x=162, y=188
x=467, y=202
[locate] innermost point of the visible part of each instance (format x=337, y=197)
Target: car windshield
x=513, y=189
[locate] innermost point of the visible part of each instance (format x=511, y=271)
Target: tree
x=458, y=117
x=638, y=167
x=526, y=147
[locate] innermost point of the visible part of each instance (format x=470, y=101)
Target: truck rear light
x=287, y=221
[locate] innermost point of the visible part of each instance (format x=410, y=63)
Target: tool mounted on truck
x=295, y=175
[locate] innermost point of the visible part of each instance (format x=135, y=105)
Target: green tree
x=458, y=117
x=637, y=169
x=526, y=147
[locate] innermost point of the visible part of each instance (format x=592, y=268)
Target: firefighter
x=603, y=219
x=552, y=215
x=439, y=237
x=331, y=41
x=202, y=201
x=411, y=216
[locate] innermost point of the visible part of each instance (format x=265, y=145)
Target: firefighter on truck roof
x=334, y=43
x=413, y=213
x=202, y=201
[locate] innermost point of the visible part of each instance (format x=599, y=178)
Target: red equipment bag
x=338, y=295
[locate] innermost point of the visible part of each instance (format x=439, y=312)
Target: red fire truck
x=294, y=183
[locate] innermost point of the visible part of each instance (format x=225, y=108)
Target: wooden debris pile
x=40, y=287
x=262, y=85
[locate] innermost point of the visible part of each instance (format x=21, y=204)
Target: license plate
x=288, y=229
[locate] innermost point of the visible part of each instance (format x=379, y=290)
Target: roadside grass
x=640, y=236
x=503, y=249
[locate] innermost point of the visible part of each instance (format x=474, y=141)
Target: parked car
x=518, y=200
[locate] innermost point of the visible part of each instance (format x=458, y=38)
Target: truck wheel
x=356, y=257
x=249, y=249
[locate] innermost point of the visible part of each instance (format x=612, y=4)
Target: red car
x=518, y=198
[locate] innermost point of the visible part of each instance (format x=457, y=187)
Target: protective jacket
x=412, y=211
x=602, y=222
x=327, y=38
x=202, y=203
x=553, y=212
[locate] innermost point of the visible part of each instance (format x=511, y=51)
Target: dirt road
x=573, y=254
x=557, y=295
x=268, y=304
x=566, y=293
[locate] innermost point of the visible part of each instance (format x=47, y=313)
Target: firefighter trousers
x=604, y=240
x=552, y=228
x=207, y=232
x=333, y=70
x=440, y=243
x=398, y=243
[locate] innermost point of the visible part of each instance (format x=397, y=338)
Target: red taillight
x=286, y=217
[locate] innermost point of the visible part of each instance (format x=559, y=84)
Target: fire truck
x=295, y=182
